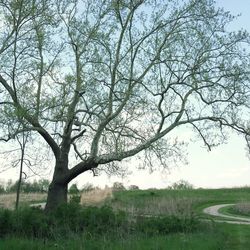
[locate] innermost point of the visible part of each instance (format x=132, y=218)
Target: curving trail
x=39, y=205
x=214, y=211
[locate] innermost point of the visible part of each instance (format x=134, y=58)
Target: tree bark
x=58, y=188
x=57, y=195
x=19, y=183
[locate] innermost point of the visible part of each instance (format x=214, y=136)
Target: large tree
x=108, y=79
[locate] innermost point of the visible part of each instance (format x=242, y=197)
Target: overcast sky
x=225, y=166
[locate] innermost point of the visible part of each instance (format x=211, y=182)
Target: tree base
x=57, y=195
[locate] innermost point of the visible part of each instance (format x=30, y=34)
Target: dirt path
x=40, y=205
x=214, y=210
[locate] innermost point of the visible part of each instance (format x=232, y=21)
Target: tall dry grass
x=93, y=197
x=8, y=200
x=96, y=196
x=242, y=208
x=181, y=207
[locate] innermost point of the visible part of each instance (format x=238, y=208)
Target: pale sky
x=225, y=166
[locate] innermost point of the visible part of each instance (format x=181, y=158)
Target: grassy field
x=185, y=203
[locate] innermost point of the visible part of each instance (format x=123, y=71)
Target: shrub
x=31, y=222
x=74, y=189
x=133, y=187
x=165, y=225
x=28, y=222
x=2, y=189
x=95, y=220
x=182, y=185
x=69, y=219
x=5, y=222
x=75, y=199
x=103, y=219
x=118, y=186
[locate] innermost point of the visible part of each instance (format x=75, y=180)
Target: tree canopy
x=107, y=79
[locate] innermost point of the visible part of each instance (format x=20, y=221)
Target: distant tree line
x=40, y=186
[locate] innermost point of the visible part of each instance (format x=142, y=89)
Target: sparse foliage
x=87, y=187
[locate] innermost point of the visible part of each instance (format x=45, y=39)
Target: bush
x=28, y=222
x=70, y=219
x=165, y=225
x=182, y=185
x=31, y=222
x=104, y=219
x=133, y=187
x=6, y=222
x=73, y=189
x=75, y=199
x=118, y=186
x=2, y=189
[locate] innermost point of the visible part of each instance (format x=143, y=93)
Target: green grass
x=137, y=242
x=219, y=236
x=205, y=195
x=230, y=210
x=234, y=236
x=200, y=198
x=209, y=236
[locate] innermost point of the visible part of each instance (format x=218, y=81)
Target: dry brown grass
x=96, y=196
x=93, y=197
x=159, y=206
x=243, y=208
x=8, y=200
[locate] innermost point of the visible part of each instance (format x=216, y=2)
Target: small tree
x=74, y=189
x=43, y=185
x=182, y=185
x=133, y=187
x=2, y=189
x=118, y=186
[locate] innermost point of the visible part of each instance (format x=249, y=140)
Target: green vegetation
x=239, y=210
x=117, y=225
x=138, y=242
x=40, y=186
x=165, y=201
x=74, y=219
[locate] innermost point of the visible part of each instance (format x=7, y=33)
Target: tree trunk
x=19, y=183
x=57, y=195
x=58, y=188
